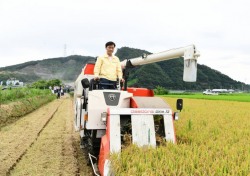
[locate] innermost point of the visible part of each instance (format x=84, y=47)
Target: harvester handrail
x=90, y=157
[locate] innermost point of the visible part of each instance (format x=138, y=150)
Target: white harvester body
x=105, y=118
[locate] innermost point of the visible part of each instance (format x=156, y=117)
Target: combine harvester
x=106, y=119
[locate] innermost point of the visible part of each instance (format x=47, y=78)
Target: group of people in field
x=58, y=90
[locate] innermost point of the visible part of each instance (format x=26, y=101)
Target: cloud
x=38, y=29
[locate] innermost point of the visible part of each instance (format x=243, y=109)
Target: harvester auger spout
x=109, y=120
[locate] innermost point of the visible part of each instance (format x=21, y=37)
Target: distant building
x=217, y=91
x=14, y=82
x=223, y=90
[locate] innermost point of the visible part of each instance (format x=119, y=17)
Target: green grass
x=241, y=97
x=11, y=95
x=15, y=103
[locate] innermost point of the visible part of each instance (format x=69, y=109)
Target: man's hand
x=96, y=78
x=122, y=80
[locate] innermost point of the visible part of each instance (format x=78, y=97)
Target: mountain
x=64, y=68
x=167, y=73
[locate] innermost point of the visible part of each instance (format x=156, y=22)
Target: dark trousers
x=107, y=84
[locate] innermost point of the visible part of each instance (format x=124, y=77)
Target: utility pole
x=65, y=50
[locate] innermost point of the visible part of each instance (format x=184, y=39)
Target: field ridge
x=17, y=137
x=38, y=134
x=50, y=146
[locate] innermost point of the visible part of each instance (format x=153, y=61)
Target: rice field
x=213, y=139
x=43, y=142
x=240, y=97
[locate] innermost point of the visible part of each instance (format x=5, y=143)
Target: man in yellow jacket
x=108, y=68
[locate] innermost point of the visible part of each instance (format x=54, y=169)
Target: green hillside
x=167, y=73
x=64, y=68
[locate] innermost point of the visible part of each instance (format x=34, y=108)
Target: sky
x=40, y=29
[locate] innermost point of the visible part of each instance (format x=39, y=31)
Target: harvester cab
x=109, y=120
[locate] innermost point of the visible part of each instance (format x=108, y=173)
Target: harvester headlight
x=104, y=117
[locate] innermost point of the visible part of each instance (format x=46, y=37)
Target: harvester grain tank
x=105, y=118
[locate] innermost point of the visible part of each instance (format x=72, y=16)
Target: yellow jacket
x=108, y=68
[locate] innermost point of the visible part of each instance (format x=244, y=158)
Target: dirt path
x=43, y=143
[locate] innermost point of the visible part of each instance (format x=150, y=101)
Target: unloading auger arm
x=189, y=53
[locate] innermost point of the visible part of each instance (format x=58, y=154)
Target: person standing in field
x=55, y=89
x=58, y=92
x=62, y=92
x=108, y=68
